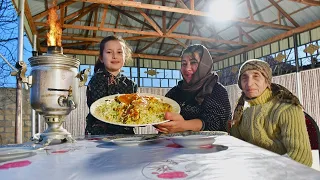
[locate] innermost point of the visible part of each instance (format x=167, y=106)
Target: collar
x=265, y=97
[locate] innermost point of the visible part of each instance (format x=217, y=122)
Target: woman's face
x=253, y=83
x=189, y=65
x=113, y=56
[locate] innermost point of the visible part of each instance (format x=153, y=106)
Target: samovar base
x=55, y=131
x=47, y=138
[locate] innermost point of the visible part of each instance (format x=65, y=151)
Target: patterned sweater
x=214, y=111
x=104, y=84
x=278, y=127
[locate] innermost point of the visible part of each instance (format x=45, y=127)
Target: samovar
x=54, y=93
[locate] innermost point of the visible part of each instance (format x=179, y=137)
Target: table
x=91, y=158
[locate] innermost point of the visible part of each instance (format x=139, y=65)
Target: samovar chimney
x=55, y=50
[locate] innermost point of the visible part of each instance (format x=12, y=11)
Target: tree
x=9, y=25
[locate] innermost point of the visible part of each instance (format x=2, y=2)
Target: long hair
x=127, y=51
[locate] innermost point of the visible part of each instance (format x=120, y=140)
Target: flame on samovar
x=55, y=32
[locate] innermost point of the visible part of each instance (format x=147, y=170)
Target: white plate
x=8, y=152
x=193, y=141
x=129, y=141
x=174, y=104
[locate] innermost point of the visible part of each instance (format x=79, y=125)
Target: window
x=168, y=73
x=176, y=74
x=172, y=82
x=155, y=82
x=126, y=71
x=143, y=72
x=164, y=82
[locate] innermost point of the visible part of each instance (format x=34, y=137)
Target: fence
x=75, y=121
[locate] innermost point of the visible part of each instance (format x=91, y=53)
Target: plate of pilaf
x=133, y=110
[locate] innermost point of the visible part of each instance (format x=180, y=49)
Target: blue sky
x=6, y=80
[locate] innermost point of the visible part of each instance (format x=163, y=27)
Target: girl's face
x=189, y=65
x=113, y=56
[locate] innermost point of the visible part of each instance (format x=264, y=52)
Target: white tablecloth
x=96, y=159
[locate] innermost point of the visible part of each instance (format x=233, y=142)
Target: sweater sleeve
x=295, y=136
x=234, y=131
x=216, y=110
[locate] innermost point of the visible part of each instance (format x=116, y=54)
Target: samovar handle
x=83, y=76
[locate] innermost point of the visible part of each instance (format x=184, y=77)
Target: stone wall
x=8, y=113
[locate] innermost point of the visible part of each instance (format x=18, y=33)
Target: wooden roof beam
x=177, y=36
x=164, y=19
x=271, y=40
x=192, y=4
x=245, y=34
x=178, y=42
x=93, y=40
x=273, y=20
x=29, y=18
x=45, y=13
x=176, y=24
x=182, y=4
x=198, y=31
x=151, y=22
x=131, y=16
x=284, y=13
x=308, y=2
x=77, y=44
x=249, y=9
x=169, y=50
x=79, y=14
x=117, y=21
x=148, y=45
x=166, y=25
x=219, y=50
x=62, y=14
x=181, y=10
x=82, y=12
x=142, y=28
x=104, y=15
x=88, y=23
x=96, y=53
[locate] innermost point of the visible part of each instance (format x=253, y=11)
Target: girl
x=107, y=80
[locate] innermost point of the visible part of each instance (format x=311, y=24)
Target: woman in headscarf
x=203, y=100
x=269, y=115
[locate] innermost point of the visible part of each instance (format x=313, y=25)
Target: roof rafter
x=172, y=35
x=308, y=2
x=96, y=53
x=284, y=13
x=131, y=16
x=148, y=45
x=104, y=15
x=45, y=13
x=271, y=40
x=180, y=10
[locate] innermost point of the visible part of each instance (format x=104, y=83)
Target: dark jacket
x=104, y=84
x=214, y=111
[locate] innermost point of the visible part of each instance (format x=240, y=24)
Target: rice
x=132, y=109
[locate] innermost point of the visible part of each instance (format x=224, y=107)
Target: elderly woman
x=270, y=116
x=203, y=100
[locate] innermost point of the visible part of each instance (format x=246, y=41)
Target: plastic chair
x=313, y=132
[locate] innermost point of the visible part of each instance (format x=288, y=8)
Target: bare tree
x=9, y=23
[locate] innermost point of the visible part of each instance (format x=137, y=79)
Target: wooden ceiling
x=161, y=29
